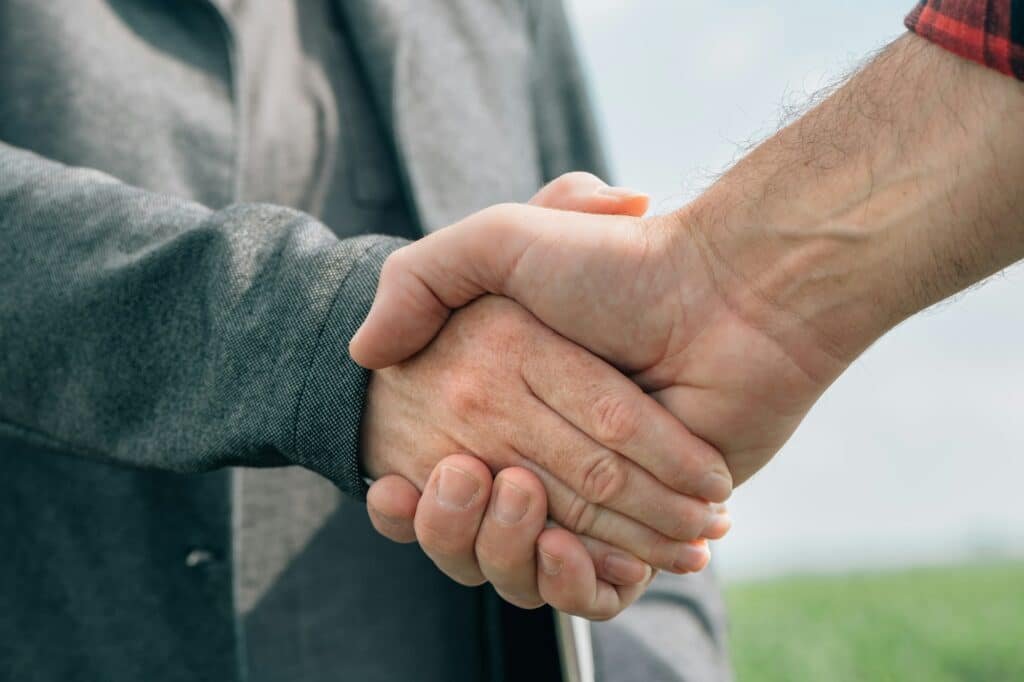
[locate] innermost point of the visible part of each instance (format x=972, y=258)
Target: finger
x=616, y=413
x=391, y=503
x=604, y=478
x=449, y=514
x=702, y=554
x=587, y=193
x=719, y=525
x=507, y=541
x=567, y=579
x=594, y=521
x=506, y=544
x=614, y=566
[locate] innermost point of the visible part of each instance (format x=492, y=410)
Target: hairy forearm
x=897, y=191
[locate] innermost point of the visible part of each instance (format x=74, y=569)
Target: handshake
x=620, y=375
x=611, y=373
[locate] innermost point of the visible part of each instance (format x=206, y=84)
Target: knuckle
x=605, y=478
x=396, y=276
x=504, y=329
x=395, y=263
x=500, y=328
x=466, y=396
x=615, y=419
x=580, y=516
x=691, y=520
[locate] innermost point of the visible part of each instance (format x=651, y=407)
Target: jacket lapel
x=451, y=80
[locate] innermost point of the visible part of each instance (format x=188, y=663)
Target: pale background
x=916, y=455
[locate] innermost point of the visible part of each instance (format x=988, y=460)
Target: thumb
x=421, y=283
x=587, y=193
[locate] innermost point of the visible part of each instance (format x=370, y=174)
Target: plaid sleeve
x=990, y=32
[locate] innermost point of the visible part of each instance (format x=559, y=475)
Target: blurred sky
x=916, y=455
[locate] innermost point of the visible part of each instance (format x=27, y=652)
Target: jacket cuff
x=330, y=410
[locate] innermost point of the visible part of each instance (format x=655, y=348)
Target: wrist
x=791, y=280
x=894, y=193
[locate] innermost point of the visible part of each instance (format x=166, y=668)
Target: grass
x=936, y=624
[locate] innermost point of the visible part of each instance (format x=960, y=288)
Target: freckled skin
x=468, y=383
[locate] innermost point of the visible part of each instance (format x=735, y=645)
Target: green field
x=935, y=624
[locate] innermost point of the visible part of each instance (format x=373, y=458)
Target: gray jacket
x=159, y=326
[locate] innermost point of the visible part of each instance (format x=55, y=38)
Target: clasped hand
x=618, y=387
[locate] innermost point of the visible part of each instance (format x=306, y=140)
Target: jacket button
x=198, y=557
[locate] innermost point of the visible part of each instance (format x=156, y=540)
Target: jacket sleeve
x=152, y=331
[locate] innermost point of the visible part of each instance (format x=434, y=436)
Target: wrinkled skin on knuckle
x=615, y=420
x=605, y=479
x=580, y=515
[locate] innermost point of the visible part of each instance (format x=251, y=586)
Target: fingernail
x=618, y=192
x=511, y=503
x=455, y=488
x=719, y=524
x=692, y=558
x=549, y=564
x=715, y=487
x=625, y=570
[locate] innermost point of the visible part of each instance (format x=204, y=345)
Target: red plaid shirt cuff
x=990, y=32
